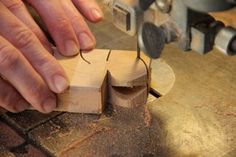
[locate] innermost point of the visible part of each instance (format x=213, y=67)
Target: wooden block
x=127, y=80
x=128, y=97
x=164, y=77
x=87, y=82
x=125, y=70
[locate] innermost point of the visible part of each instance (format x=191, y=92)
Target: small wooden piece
x=87, y=82
x=128, y=78
x=128, y=97
x=126, y=70
x=121, y=72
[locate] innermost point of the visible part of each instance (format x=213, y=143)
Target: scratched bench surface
x=196, y=117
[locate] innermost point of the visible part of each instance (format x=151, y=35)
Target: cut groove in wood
x=126, y=70
x=128, y=97
x=119, y=71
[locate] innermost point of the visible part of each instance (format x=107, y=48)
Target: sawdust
x=147, y=117
x=122, y=132
x=61, y=135
x=225, y=113
x=75, y=144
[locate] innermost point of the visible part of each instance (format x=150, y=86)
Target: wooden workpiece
x=194, y=117
x=116, y=77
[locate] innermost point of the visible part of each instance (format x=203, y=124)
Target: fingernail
x=22, y=105
x=60, y=83
x=85, y=41
x=49, y=104
x=71, y=48
x=97, y=14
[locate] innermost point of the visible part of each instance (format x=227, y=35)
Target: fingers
x=58, y=25
x=86, y=39
x=10, y=99
x=18, y=8
x=16, y=69
x=24, y=40
x=90, y=9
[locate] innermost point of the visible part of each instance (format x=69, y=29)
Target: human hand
x=65, y=22
x=29, y=73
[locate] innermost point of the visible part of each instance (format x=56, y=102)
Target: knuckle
x=38, y=93
x=13, y=5
x=44, y=61
x=24, y=38
x=39, y=34
x=7, y=58
x=62, y=24
x=77, y=18
x=46, y=64
x=79, y=21
x=35, y=91
x=35, y=30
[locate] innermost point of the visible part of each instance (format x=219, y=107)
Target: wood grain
x=128, y=97
x=127, y=80
x=126, y=70
x=87, y=90
x=163, y=77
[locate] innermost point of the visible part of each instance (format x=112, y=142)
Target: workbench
x=194, y=114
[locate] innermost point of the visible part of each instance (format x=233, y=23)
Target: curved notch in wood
x=117, y=77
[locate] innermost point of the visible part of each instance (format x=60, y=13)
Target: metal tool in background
x=183, y=22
